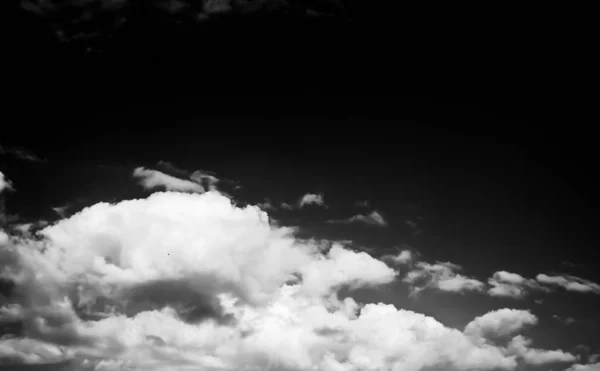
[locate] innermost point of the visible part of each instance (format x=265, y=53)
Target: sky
x=345, y=200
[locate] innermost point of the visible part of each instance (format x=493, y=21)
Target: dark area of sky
x=474, y=120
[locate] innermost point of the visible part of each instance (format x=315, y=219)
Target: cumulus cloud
x=151, y=179
x=312, y=199
x=499, y=326
x=185, y=281
x=500, y=323
x=506, y=284
x=570, y=283
x=442, y=276
x=373, y=218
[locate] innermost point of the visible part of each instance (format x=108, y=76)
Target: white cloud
x=569, y=283
x=537, y=357
x=5, y=184
x=151, y=179
x=588, y=367
x=506, y=284
x=183, y=281
x=442, y=276
x=373, y=218
x=312, y=199
x=497, y=326
x=500, y=323
x=403, y=257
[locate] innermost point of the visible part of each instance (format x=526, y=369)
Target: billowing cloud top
x=183, y=281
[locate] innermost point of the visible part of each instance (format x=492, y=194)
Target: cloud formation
x=442, y=276
x=569, y=283
x=312, y=199
x=151, y=179
x=20, y=153
x=506, y=284
x=373, y=218
x=403, y=257
x=5, y=184
x=185, y=281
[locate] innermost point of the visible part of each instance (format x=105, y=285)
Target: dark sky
x=474, y=123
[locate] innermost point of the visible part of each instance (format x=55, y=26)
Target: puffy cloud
x=500, y=323
x=537, y=357
x=181, y=281
x=506, y=284
x=312, y=199
x=373, y=218
x=570, y=283
x=442, y=276
x=403, y=257
x=151, y=179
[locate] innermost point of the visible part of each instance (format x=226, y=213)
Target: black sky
x=473, y=115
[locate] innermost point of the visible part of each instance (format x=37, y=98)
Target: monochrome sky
x=182, y=193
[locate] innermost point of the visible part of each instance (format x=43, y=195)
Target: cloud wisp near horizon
x=186, y=278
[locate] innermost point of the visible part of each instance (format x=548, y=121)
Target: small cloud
x=513, y=285
x=411, y=224
x=565, y=320
x=266, y=205
x=373, y=218
x=403, y=257
x=312, y=199
x=569, y=283
x=442, y=276
x=5, y=184
x=20, y=153
x=150, y=179
x=61, y=210
x=286, y=206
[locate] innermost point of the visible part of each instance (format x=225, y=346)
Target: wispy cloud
x=61, y=211
x=151, y=179
x=570, y=283
x=373, y=218
x=442, y=276
x=5, y=183
x=20, y=153
x=564, y=320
